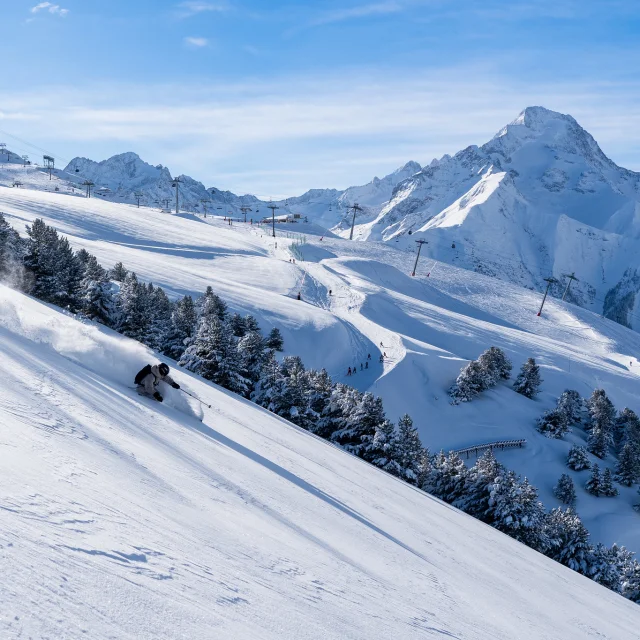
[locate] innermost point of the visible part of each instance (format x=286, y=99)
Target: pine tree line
x=500, y=498
x=491, y=367
x=231, y=351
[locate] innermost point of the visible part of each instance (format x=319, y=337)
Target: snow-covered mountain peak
x=554, y=131
x=538, y=118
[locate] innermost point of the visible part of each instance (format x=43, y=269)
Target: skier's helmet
x=163, y=369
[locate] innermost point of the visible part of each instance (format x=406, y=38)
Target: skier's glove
x=157, y=396
x=175, y=385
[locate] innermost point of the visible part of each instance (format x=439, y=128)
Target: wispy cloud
x=195, y=42
x=55, y=9
x=298, y=126
x=361, y=11
x=194, y=7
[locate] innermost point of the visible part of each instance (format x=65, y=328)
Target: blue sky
x=278, y=97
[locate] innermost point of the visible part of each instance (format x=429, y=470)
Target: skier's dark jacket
x=150, y=382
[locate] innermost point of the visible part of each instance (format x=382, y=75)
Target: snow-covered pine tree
x=342, y=402
x=274, y=340
x=11, y=254
x=630, y=580
x=320, y=387
x=626, y=429
x=96, y=295
x=209, y=303
x=496, y=365
x=423, y=468
x=214, y=356
x=360, y=425
x=479, y=480
x=447, y=478
x=40, y=259
x=628, y=467
x=183, y=328
x=516, y=511
x=578, y=458
x=471, y=381
x=409, y=451
x=382, y=451
x=228, y=374
x=237, y=324
x=252, y=357
x=83, y=255
x=607, y=565
x=161, y=311
x=289, y=398
x=600, y=439
x=528, y=381
x=594, y=483
x=602, y=413
x=118, y=273
x=608, y=489
x=569, y=540
x=553, y=424
x=67, y=276
x=251, y=323
x=570, y=405
x=565, y=491
x=132, y=308
x=268, y=382
x=602, y=418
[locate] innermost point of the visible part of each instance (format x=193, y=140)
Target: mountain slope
x=539, y=199
x=429, y=327
x=138, y=521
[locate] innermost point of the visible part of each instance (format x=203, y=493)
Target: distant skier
x=361, y=366
x=355, y=369
x=299, y=298
x=369, y=356
x=149, y=377
x=329, y=291
x=349, y=371
x=366, y=364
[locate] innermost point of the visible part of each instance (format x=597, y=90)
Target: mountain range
x=540, y=199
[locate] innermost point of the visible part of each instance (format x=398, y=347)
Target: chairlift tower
x=356, y=207
x=245, y=210
x=49, y=163
x=419, y=243
x=205, y=202
x=273, y=208
x=25, y=159
x=3, y=149
x=571, y=277
x=138, y=196
x=549, y=282
x=88, y=184
x=176, y=184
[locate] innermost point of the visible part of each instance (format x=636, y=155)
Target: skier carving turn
x=149, y=377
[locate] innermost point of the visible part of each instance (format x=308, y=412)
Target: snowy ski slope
x=429, y=326
x=123, y=518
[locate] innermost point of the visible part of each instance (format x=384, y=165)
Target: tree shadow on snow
x=302, y=484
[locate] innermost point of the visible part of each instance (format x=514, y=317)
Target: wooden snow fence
x=500, y=445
